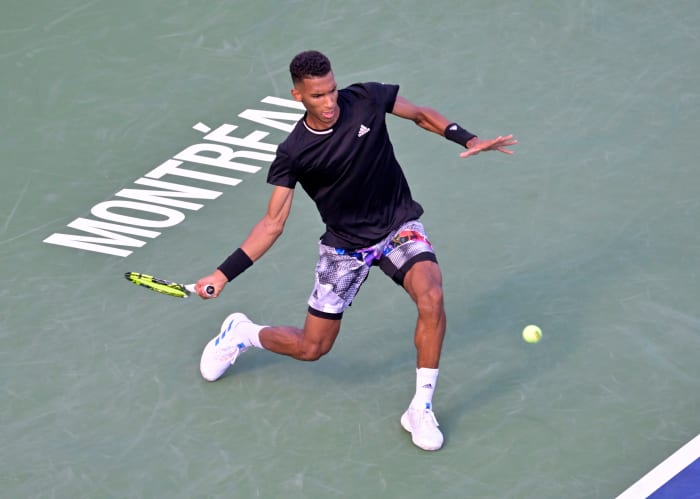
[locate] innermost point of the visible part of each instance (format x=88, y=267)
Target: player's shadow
x=560, y=296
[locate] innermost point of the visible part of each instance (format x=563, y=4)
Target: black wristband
x=235, y=264
x=457, y=134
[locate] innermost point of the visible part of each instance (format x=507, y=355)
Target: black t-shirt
x=350, y=170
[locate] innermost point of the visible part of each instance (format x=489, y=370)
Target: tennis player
x=341, y=155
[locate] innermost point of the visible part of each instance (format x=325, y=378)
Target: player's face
x=320, y=98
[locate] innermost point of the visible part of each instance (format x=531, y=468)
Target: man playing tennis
x=341, y=155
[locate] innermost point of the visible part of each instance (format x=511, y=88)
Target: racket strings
x=155, y=284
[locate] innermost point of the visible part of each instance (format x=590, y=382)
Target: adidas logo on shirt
x=363, y=130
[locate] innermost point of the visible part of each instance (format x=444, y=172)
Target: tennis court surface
x=590, y=231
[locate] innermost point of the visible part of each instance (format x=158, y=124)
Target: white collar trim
x=317, y=132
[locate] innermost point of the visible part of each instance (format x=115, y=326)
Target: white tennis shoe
x=223, y=350
x=423, y=427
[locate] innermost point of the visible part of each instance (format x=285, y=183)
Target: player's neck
x=320, y=126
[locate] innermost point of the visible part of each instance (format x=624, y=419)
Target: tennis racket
x=164, y=286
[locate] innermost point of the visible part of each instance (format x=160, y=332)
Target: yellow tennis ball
x=532, y=334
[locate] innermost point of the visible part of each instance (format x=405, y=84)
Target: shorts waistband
x=371, y=255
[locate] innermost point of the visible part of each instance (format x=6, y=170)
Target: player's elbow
x=273, y=226
x=420, y=117
x=424, y=118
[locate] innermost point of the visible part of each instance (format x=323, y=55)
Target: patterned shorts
x=341, y=272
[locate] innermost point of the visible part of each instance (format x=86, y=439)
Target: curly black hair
x=309, y=64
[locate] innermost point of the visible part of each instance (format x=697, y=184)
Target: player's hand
x=216, y=279
x=477, y=145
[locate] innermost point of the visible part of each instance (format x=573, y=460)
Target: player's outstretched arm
x=433, y=121
x=259, y=241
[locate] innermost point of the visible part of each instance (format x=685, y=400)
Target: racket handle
x=208, y=289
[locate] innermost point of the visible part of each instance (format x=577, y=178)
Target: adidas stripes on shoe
x=223, y=350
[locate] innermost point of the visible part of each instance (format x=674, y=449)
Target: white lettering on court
x=122, y=223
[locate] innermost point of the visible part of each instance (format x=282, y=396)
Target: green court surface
x=590, y=231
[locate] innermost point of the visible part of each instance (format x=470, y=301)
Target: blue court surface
x=136, y=136
x=676, y=477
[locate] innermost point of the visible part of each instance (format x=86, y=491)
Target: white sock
x=251, y=334
x=426, y=379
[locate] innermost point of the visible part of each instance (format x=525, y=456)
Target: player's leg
x=238, y=333
x=310, y=343
x=423, y=283
x=338, y=279
x=339, y=276
x=412, y=264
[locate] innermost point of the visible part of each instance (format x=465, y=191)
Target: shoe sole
x=405, y=424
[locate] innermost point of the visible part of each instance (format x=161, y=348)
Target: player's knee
x=310, y=352
x=431, y=301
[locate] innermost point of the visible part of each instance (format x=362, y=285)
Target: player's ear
x=295, y=94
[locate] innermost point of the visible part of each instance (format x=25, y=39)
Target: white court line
x=656, y=478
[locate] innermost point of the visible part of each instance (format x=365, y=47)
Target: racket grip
x=208, y=289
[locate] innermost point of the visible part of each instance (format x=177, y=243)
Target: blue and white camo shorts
x=341, y=272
